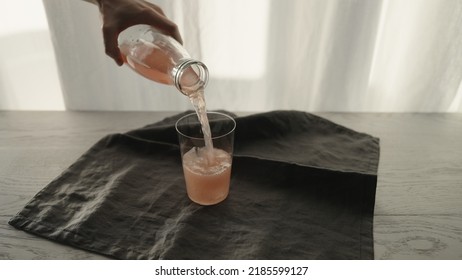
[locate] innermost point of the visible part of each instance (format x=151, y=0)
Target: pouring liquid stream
x=153, y=63
x=197, y=99
x=161, y=59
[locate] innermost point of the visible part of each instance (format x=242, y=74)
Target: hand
x=118, y=15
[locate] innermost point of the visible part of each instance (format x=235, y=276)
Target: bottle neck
x=190, y=76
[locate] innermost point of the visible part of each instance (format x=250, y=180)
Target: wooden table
x=418, y=212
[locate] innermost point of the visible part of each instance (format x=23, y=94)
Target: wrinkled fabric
x=302, y=187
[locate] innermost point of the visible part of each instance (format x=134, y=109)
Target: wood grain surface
x=418, y=212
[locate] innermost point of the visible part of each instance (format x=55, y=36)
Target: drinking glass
x=207, y=171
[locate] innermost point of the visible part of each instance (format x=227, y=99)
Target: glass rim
x=212, y=113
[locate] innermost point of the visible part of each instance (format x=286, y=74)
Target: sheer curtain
x=28, y=74
x=311, y=55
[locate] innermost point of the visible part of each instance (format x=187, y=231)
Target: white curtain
x=28, y=74
x=311, y=55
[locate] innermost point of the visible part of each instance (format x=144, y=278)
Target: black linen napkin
x=302, y=187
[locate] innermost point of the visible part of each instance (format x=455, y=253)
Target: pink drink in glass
x=206, y=152
x=207, y=176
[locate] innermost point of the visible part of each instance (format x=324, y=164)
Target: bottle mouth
x=190, y=76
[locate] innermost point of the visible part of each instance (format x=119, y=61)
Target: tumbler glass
x=207, y=170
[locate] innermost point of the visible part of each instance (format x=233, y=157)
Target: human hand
x=117, y=15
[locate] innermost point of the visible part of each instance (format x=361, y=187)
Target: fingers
x=119, y=17
x=175, y=33
x=158, y=9
x=171, y=29
x=158, y=19
x=110, y=36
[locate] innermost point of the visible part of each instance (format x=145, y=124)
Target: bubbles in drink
x=206, y=162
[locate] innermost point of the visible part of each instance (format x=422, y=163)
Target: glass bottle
x=162, y=59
